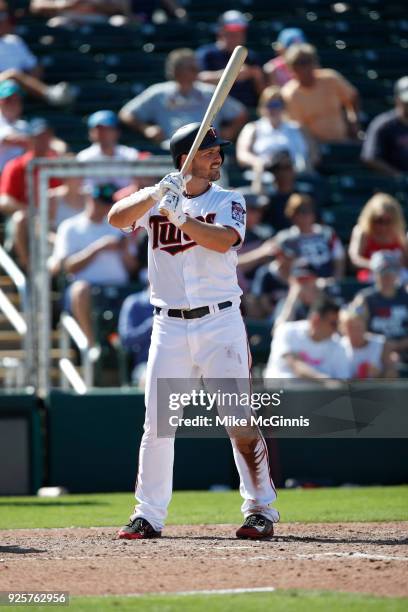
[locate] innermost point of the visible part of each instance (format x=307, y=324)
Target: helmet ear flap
x=222, y=155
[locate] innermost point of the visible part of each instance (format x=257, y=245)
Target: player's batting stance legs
x=198, y=329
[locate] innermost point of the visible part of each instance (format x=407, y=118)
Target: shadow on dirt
x=44, y=503
x=19, y=550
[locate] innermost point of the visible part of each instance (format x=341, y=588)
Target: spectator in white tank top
x=260, y=140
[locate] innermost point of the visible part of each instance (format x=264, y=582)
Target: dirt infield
x=359, y=557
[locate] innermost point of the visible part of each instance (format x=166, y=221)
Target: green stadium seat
x=70, y=65
x=95, y=94
x=337, y=157
x=349, y=287
x=344, y=218
x=135, y=66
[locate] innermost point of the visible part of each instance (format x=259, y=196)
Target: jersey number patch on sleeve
x=238, y=212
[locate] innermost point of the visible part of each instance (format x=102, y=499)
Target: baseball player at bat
x=195, y=230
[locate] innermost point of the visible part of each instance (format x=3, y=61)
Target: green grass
x=280, y=601
x=195, y=507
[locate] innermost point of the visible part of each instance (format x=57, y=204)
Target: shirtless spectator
x=19, y=64
x=385, y=148
x=309, y=349
x=277, y=71
x=212, y=59
x=164, y=107
x=321, y=100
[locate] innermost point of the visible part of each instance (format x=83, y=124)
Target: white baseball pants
x=214, y=346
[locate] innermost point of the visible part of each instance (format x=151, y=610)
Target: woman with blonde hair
x=380, y=227
x=259, y=141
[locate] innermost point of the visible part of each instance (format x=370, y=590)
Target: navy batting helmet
x=183, y=138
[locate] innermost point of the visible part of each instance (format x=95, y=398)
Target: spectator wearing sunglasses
x=380, y=226
x=260, y=140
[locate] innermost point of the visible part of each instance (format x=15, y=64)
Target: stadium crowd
x=281, y=113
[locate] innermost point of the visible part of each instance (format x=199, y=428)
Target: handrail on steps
x=70, y=329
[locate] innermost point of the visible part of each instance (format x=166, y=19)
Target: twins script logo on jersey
x=167, y=237
x=238, y=212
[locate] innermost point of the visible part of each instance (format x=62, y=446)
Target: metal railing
x=15, y=369
x=39, y=281
x=70, y=330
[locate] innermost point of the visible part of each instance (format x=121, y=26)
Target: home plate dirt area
x=360, y=557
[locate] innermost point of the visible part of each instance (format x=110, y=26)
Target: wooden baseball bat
x=222, y=90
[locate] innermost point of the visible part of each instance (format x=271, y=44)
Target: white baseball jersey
x=214, y=346
x=183, y=274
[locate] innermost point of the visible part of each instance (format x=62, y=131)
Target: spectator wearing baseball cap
x=277, y=71
x=103, y=132
x=385, y=147
x=91, y=253
x=13, y=129
x=385, y=305
x=212, y=59
x=321, y=100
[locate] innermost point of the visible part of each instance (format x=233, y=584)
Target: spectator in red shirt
x=380, y=227
x=13, y=186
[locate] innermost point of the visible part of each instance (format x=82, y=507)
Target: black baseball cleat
x=138, y=529
x=255, y=527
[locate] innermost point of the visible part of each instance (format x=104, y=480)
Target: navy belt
x=194, y=313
